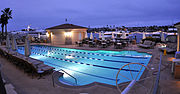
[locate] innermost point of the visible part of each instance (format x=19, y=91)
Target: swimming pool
x=89, y=66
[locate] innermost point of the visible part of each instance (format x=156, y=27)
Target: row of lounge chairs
x=103, y=43
x=147, y=44
x=170, y=48
x=29, y=65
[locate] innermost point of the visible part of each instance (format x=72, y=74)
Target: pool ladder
x=63, y=72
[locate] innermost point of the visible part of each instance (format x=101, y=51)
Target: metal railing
x=156, y=86
x=63, y=72
x=69, y=75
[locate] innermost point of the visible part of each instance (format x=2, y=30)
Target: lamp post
x=178, y=36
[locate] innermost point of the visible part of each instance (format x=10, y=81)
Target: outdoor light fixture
x=47, y=34
x=69, y=57
x=68, y=34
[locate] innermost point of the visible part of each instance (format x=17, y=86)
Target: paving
x=23, y=83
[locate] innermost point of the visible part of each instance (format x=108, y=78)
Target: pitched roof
x=67, y=26
x=177, y=23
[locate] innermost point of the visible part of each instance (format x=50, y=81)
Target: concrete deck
x=24, y=84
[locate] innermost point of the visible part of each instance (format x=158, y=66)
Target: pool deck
x=24, y=84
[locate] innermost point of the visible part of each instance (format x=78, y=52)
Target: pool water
x=89, y=66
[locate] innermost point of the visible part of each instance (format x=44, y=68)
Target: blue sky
x=95, y=13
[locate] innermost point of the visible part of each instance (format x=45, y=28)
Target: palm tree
x=2, y=22
x=7, y=12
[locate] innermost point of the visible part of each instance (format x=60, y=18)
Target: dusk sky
x=42, y=14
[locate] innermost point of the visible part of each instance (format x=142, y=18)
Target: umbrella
x=162, y=37
x=27, y=46
x=112, y=35
x=100, y=35
x=123, y=35
x=91, y=36
x=39, y=35
x=79, y=36
x=144, y=36
x=86, y=36
x=14, y=44
x=8, y=45
x=103, y=36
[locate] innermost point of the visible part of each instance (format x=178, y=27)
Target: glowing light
x=68, y=34
x=171, y=58
x=69, y=57
x=49, y=53
x=47, y=34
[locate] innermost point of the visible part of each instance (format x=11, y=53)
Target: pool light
x=69, y=57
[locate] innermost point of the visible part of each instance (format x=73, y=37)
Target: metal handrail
x=69, y=75
x=155, y=91
x=64, y=72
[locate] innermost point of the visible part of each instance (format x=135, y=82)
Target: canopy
x=162, y=37
x=27, y=46
x=8, y=45
x=14, y=44
x=112, y=35
x=144, y=36
x=123, y=35
x=91, y=36
x=79, y=36
x=86, y=36
x=100, y=35
x=103, y=38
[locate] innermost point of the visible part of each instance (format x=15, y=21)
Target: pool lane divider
x=85, y=57
x=83, y=72
x=84, y=63
x=137, y=57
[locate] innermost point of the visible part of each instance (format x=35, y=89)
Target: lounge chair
x=147, y=44
x=118, y=45
x=170, y=48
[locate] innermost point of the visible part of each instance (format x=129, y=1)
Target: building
x=65, y=34
x=177, y=25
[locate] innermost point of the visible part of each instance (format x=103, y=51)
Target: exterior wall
x=57, y=36
x=75, y=35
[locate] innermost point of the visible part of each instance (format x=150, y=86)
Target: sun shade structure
x=8, y=45
x=162, y=37
x=112, y=35
x=144, y=36
x=79, y=36
x=123, y=35
x=103, y=38
x=86, y=36
x=66, y=34
x=91, y=36
x=100, y=35
x=14, y=44
x=27, y=47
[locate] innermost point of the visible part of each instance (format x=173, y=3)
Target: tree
x=2, y=22
x=7, y=12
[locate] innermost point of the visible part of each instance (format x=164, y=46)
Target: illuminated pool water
x=89, y=66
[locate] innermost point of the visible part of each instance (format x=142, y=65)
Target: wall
x=57, y=36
